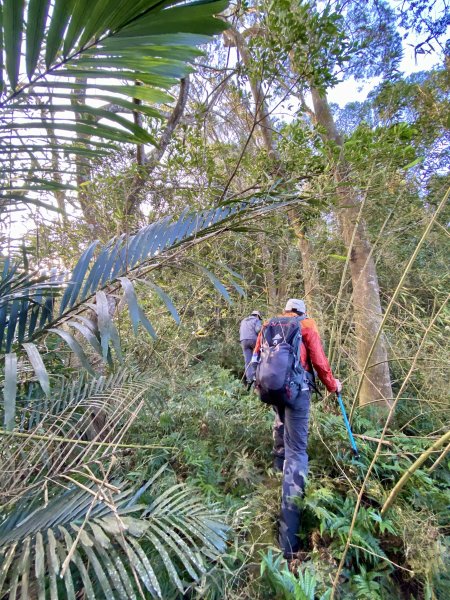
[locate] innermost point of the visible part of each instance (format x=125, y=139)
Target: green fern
x=285, y=584
x=366, y=585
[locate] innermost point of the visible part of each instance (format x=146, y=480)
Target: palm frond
x=97, y=50
x=108, y=269
x=26, y=301
x=113, y=267
x=78, y=394
x=99, y=540
x=79, y=425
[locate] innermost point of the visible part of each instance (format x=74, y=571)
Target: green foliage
x=99, y=539
x=357, y=38
x=315, y=41
x=71, y=53
x=373, y=145
x=29, y=310
x=120, y=544
x=183, y=418
x=366, y=585
x=418, y=18
x=371, y=27
x=76, y=425
x=302, y=149
x=285, y=584
x=200, y=420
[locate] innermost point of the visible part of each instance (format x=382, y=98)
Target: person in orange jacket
x=290, y=429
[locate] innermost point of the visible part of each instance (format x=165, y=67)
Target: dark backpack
x=280, y=368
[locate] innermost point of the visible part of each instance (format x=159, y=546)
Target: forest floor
x=217, y=438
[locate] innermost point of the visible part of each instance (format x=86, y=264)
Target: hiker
x=248, y=333
x=293, y=344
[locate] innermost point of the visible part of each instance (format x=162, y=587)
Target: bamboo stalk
x=56, y=438
x=372, y=439
x=439, y=460
x=378, y=449
x=412, y=469
x=411, y=261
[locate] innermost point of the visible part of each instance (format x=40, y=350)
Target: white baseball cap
x=256, y=313
x=295, y=304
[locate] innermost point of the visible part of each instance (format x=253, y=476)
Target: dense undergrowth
x=217, y=437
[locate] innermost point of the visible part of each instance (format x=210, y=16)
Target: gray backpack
x=280, y=370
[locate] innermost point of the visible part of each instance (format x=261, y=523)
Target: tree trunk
x=83, y=167
x=262, y=117
x=148, y=163
x=376, y=387
x=310, y=271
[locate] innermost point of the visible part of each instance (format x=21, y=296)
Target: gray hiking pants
x=247, y=349
x=290, y=434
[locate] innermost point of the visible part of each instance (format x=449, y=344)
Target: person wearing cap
x=248, y=333
x=290, y=429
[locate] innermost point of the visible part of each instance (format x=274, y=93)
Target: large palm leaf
x=99, y=540
x=95, y=49
x=25, y=292
x=82, y=422
x=114, y=266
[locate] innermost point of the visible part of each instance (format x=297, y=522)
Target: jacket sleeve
x=313, y=344
x=257, y=348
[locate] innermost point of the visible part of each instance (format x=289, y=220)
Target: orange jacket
x=311, y=351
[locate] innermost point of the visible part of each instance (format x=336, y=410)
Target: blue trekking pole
x=349, y=429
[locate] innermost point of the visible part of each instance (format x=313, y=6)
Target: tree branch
x=150, y=161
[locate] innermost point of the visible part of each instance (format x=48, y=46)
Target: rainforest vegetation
x=167, y=167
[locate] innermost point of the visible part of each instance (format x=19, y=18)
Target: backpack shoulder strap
x=299, y=320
